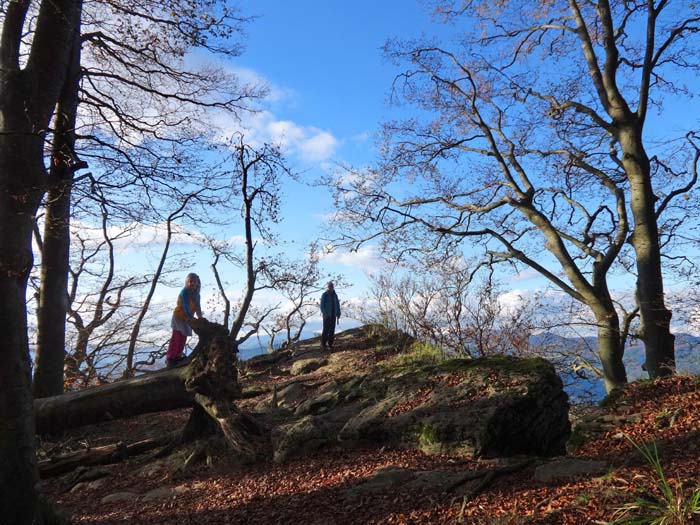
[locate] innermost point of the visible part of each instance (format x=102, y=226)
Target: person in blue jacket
x=330, y=310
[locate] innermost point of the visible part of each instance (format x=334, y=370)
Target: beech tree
x=531, y=141
x=32, y=75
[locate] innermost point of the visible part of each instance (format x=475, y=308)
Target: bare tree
x=92, y=311
x=439, y=301
x=299, y=284
x=134, y=108
x=256, y=174
x=219, y=249
x=543, y=167
x=170, y=220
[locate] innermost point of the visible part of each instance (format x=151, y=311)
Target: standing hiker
x=330, y=310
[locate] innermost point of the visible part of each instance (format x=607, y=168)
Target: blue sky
x=329, y=85
x=328, y=55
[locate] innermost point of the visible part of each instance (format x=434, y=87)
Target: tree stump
x=212, y=379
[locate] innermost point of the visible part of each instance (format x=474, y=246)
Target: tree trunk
x=53, y=290
x=655, y=318
x=156, y=392
x=75, y=359
x=610, y=351
x=51, y=313
x=18, y=475
x=27, y=99
x=103, y=455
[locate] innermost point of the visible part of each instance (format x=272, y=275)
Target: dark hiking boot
x=175, y=361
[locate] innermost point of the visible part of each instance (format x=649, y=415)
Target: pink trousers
x=176, y=345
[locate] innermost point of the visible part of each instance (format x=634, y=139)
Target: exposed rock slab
x=118, y=497
x=306, y=366
x=569, y=468
x=496, y=407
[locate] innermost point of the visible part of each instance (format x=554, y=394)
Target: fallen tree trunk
x=103, y=455
x=152, y=392
x=208, y=382
x=155, y=392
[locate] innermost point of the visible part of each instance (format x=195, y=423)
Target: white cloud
x=310, y=143
x=137, y=235
x=362, y=137
x=249, y=76
x=365, y=258
x=512, y=299
x=320, y=145
x=526, y=275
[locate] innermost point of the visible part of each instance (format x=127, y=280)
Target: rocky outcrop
x=493, y=407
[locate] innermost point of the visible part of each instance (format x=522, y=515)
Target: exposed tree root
x=484, y=478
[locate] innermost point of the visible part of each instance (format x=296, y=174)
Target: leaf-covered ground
x=323, y=488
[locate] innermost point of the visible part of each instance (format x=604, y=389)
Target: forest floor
x=319, y=489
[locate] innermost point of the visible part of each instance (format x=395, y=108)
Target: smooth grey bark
x=655, y=330
x=155, y=392
x=627, y=128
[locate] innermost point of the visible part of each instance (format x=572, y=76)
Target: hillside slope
x=602, y=473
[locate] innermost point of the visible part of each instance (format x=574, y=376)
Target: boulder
x=306, y=366
x=265, y=360
x=308, y=434
x=119, y=497
x=164, y=493
x=89, y=485
x=491, y=407
x=291, y=395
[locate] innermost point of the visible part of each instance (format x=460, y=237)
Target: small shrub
x=418, y=354
x=427, y=435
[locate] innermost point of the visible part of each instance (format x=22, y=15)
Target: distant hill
x=590, y=387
